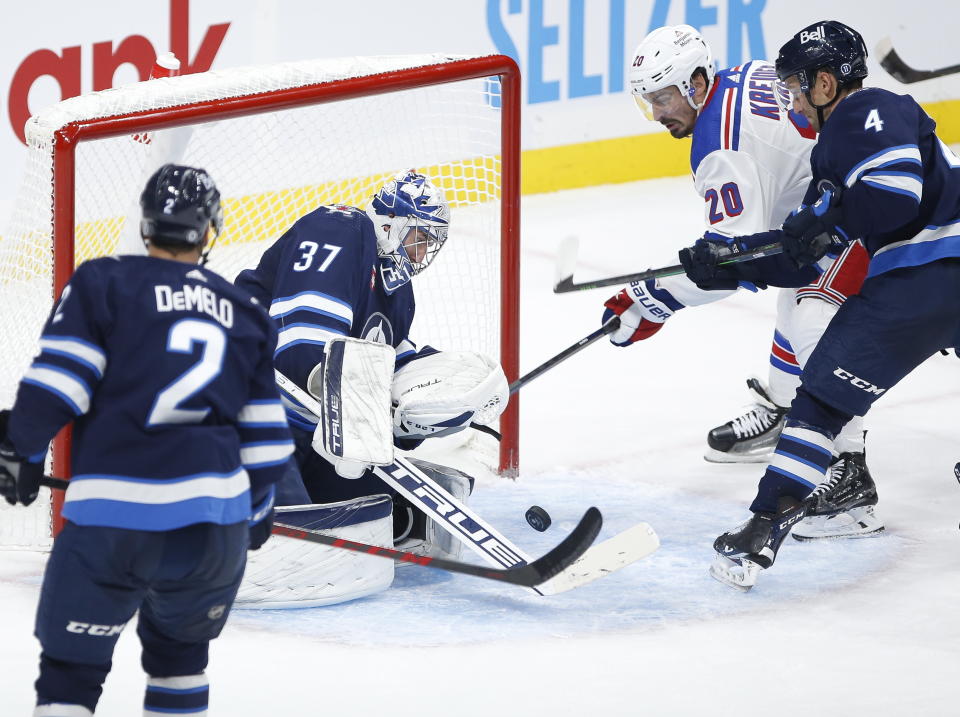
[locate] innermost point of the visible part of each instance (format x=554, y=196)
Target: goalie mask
x=411, y=219
x=668, y=57
x=179, y=205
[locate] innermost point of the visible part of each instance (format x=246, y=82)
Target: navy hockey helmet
x=179, y=204
x=829, y=45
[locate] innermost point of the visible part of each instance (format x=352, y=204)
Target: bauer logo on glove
x=641, y=313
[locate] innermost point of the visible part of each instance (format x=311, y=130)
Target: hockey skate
x=753, y=546
x=843, y=505
x=751, y=437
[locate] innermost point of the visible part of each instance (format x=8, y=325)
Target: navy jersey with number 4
x=901, y=182
x=166, y=369
x=323, y=279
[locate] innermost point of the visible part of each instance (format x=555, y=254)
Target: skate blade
x=875, y=533
x=714, y=456
x=740, y=575
x=859, y=523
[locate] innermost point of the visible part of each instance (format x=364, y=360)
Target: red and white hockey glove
x=641, y=313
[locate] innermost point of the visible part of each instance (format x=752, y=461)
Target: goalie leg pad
x=422, y=535
x=290, y=573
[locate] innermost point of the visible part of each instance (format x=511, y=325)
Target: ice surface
x=833, y=629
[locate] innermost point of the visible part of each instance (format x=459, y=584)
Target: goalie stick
x=891, y=61
x=529, y=575
x=567, y=261
x=467, y=526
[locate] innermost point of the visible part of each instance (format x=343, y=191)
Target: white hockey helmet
x=412, y=219
x=668, y=57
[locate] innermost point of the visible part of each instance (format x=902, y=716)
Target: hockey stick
x=608, y=328
x=468, y=527
x=567, y=259
x=891, y=61
x=530, y=575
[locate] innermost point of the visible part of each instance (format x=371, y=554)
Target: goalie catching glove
x=442, y=393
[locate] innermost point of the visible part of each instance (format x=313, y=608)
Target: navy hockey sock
x=188, y=694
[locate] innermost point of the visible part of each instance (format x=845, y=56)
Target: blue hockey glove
x=810, y=232
x=641, y=313
x=701, y=262
x=19, y=476
x=261, y=521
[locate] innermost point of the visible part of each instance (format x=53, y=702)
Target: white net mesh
x=271, y=168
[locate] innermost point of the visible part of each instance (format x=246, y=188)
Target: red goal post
x=325, y=131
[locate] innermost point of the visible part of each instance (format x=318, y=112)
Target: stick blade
x=566, y=264
x=568, y=551
x=604, y=558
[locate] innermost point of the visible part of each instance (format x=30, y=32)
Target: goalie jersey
x=166, y=370
x=322, y=279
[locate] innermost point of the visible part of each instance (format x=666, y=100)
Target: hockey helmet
x=828, y=45
x=179, y=204
x=668, y=57
x=411, y=219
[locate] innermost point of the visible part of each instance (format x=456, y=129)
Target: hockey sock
x=799, y=463
x=188, y=694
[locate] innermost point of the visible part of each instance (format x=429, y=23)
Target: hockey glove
x=641, y=313
x=19, y=476
x=701, y=262
x=261, y=522
x=810, y=232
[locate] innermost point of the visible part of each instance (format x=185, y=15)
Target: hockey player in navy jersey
x=750, y=161
x=165, y=370
x=341, y=271
x=881, y=175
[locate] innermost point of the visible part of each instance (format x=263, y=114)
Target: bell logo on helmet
x=808, y=36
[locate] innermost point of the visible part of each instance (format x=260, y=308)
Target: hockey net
x=279, y=141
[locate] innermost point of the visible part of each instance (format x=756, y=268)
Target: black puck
x=956, y=471
x=538, y=518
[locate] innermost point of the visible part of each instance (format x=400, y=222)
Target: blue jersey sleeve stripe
x=83, y=352
x=311, y=333
x=890, y=155
x=315, y=300
x=311, y=310
x=263, y=453
x=916, y=253
x=262, y=413
x=905, y=184
x=62, y=383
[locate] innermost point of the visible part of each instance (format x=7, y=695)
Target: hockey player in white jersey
x=750, y=162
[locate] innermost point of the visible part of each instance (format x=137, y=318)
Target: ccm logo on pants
x=95, y=630
x=858, y=382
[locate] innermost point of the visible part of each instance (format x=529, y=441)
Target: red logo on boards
x=135, y=50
